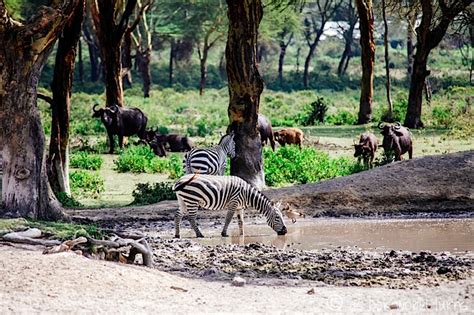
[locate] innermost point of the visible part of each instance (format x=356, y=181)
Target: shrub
x=86, y=183
x=86, y=161
x=315, y=112
x=342, y=116
x=145, y=193
x=141, y=159
x=442, y=116
x=292, y=165
x=68, y=201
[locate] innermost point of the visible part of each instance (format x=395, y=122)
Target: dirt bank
x=67, y=283
x=441, y=183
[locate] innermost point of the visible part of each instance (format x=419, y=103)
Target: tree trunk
x=298, y=53
x=245, y=87
x=171, y=63
x=93, y=50
x=58, y=159
x=429, y=35
x=203, y=68
x=411, y=19
x=25, y=188
x=307, y=63
x=348, y=39
x=143, y=59
x=344, y=62
x=80, y=64
x=367, y=43
x=387, y=64
x=127, y=59
x=281, y=59
x=110, y=34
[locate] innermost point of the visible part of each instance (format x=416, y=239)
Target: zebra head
x=277, y=223
x=227, y=143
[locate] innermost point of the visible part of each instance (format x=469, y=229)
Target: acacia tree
x=92, y=45
x=58, y=159
x=245, y=87
x=110, y=28
x=314, y=28
x=367, y=44
x=430, y=32
x=350, y=16
x=387, y=61
x=143, y=47
x=24, y=51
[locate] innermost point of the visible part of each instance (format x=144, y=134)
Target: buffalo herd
x=125, y=122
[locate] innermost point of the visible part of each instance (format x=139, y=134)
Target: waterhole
x=437, y=235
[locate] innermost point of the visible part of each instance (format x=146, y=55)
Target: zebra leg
x=178, y=216
x=240, y=218
x=192, y=213
x=228, y=218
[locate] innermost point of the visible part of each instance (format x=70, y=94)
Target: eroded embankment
x=442, y=184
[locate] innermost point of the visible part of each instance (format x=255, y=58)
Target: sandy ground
x=67, y=283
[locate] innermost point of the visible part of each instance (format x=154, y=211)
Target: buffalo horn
x=381, y=125
x=93, y=108
x=397, y=125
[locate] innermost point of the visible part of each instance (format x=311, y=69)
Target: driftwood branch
x=29, y=237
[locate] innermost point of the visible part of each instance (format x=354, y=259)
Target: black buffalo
x=366, y=148
x=264, y=126
x=171, y=142
x=123, y=122
x=396, y=139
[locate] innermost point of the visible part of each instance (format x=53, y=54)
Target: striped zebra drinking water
x=211, y=161
x=210, y=192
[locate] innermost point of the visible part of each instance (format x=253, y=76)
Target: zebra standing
x=211, y=161
x=211, y=192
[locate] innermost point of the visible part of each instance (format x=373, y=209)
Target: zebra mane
x=178, y=186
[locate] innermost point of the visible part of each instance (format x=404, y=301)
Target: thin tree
x=92, y=44
x=61, y=87
x=142, y=42
x=430, y=32
x=388, y=116
x=367, y=44
x=351, y=17
x=314, y=29
x=110, y=29
x=245, y=87
x=25, y=49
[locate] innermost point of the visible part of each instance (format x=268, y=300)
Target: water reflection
x=454, y=235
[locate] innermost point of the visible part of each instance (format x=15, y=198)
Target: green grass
x=54, y=230
x=86, y=161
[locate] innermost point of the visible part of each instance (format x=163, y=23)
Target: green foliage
x=141, y=159
x=145, y=193
x=442, y=116
x=68, y=201
x=86, y=161
x=342, y=116
x=86, y=183
x=292, y=165
x=315, y=112
x=66, y=231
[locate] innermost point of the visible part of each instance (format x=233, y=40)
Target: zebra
x=211, y=161
x=212, y=192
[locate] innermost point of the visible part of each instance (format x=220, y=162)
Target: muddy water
x=453, y=235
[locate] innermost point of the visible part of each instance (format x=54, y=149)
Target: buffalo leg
x=410, y=152
x=111, y=143
x=120, y=141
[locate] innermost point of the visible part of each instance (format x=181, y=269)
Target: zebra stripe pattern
x=195, y=191
x=211, y=161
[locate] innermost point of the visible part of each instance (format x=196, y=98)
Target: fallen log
x=29, y=237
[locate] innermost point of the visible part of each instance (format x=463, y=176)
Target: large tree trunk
x=367, y=43
x=387, y=64
x=110, y=34
x=143, y=59
x=428, y=37
x=245, y=87
x=25, y=188
x=58, y=159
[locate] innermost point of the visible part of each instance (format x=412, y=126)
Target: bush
x=68, y=201
x=86, y=183
x=145, y=193
x=315, y=112
x=141, y=159
x=292, y=165
x=342, y=116
x=86, y=161
x=442, y=116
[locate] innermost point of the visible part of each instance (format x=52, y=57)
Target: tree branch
x=45, y=98
x=123, y=24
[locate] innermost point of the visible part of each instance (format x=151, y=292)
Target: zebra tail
x=180, y=186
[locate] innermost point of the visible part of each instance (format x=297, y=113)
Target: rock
x=238, y=281
x=209, y=272
x=443, y=270
x=393, y=306
x=311, y=291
